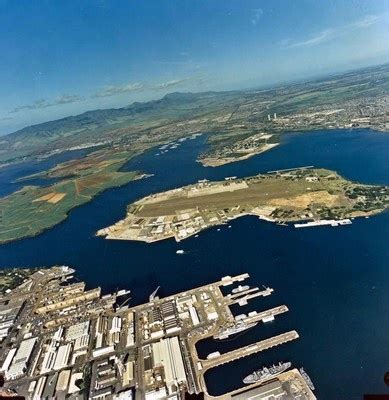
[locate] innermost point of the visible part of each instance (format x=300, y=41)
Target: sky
x=61, y=58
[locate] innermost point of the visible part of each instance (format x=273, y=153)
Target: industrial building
x=8, y=314
x=77, y=330
x=21, y=359
x=167, y=353
x=62, y=358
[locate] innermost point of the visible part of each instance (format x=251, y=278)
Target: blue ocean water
x=334, y=280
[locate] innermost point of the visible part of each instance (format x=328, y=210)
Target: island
x=293, y=195
x=33, y=209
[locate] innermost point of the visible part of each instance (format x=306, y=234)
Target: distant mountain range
x=93, y=126
x=107, y=125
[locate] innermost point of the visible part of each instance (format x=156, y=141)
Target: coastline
x=67, y=213
x=217, y=162
x=316, y=196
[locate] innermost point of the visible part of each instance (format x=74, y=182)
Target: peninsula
x=33, y=209
x=240, y=150
x=302, y=194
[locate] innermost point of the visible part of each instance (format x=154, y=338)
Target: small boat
x=180, y=252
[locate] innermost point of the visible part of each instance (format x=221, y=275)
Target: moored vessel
x=307, y=379
x=266, y=373
x=239, y=326
x=240, y=288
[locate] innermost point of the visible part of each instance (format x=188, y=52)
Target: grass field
x=300, y=192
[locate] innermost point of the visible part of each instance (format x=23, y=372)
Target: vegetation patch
x=34, y=209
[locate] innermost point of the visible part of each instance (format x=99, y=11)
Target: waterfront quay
x=61, y=340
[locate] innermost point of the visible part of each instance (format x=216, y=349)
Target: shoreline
x=314, y=196
x=209, y=161
x=217, y=162
x=66, y=215
x=297, y=223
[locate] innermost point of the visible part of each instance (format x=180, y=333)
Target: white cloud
x=332, y=33
x=169, y=84
x=186, y=64
x=367, y=21
x=106, y=91
x=39, y=104
x=112, y=90
x=256, y=15
x=318, y=38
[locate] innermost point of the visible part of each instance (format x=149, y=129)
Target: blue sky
x=65, y=57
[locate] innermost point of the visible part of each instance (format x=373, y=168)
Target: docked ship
x=266, y=373
x=239, y=326
x=322, y=222
x=307, y=379
x=240, y=288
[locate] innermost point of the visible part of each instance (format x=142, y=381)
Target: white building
x=77, y=330
x=167, y=353
x=156, y=394
x=21, y=359
x=116, y=324
x=8, y=360
x=63, y=355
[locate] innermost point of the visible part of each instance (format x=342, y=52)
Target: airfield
x=302, y=194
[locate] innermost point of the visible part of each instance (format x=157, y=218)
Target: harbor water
x=334, y=280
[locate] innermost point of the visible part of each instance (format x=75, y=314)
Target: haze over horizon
x=67, y=58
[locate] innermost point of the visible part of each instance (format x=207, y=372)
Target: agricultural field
x=34, y=209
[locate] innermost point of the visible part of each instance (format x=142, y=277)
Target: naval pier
x=249, y=350
x=228, y=324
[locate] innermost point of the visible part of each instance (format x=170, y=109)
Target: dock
x=243, y=297
x=154, y=343
x=263, y=315
x=324, y=222
x=249, y=350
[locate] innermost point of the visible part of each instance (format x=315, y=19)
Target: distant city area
x=60, y=340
